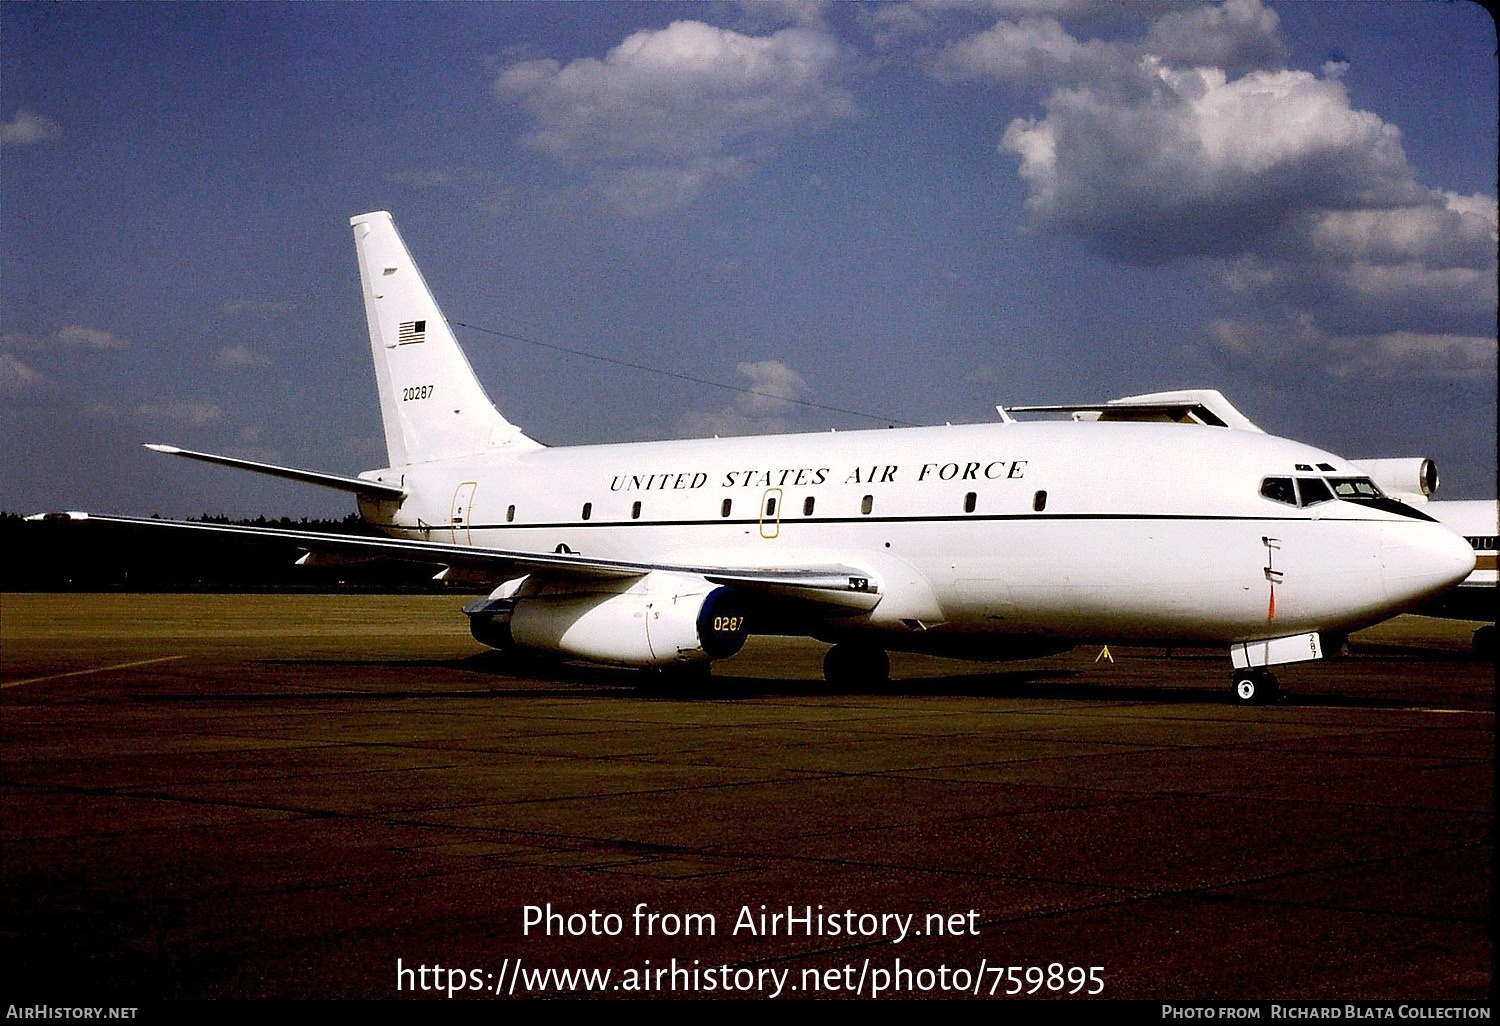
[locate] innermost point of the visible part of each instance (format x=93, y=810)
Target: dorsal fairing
x=432, y=405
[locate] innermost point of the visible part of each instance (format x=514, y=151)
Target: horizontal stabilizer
x=357, y=485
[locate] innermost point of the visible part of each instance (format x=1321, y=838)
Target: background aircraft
x=1477, y=597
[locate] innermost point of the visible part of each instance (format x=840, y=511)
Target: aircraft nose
x=1421, y=561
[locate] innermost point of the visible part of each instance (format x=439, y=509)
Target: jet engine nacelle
x=660, y=619
x=1403, y=478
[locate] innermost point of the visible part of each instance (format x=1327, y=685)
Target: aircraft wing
x=836, y=585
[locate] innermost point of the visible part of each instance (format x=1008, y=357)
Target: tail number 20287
x=417, y=392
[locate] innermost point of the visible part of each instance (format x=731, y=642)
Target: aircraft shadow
x=1031, y=682
x=550, y=679
x=569, y=677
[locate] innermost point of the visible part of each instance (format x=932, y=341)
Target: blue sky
x=861, y=213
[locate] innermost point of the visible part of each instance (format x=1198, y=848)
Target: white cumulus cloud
x=667, y=113
x=764, y=407
x=90, y=338
x=15, y=375
x=1190, y=140
x=196, y=414
x=1399, y=355
x=1197, y=163
x=1237, y=36
x=242, y=356
x=29, y=127
x=1032, y=49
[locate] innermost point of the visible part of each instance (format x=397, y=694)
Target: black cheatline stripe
x=944, y=519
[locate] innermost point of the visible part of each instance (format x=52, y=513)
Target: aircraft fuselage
x=1085, y=531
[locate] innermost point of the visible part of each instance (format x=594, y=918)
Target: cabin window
x=867, y=504
x=807, y=506
x=510, y=514
x=1279, y=489
x=635, y=510
x=1313, y=490
x=725, y=507
x=771, y=506
x=1482, y=542
x=970, y=501
x=1039, y=501
x=588, y=510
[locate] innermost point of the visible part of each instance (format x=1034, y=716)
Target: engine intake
x=1410, y=475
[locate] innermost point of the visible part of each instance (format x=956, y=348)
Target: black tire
x=1246, y=688
x=1255, y=687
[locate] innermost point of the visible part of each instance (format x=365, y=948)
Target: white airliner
x=1002, y=540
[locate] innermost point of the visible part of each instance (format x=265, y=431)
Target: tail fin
x=432, y=404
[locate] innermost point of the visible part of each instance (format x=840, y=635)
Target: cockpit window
x=1363, y=491
x=1355, y=488
x=1279, y=489
x=1313, y=490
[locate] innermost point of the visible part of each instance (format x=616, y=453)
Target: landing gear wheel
x=850, y=665
x=1255, y=687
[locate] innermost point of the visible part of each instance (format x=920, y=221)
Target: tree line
x=83, y=556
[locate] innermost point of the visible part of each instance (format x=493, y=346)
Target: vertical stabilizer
x=431, y=403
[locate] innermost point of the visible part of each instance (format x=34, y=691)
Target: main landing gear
x=853, y=665
x=1255, y=687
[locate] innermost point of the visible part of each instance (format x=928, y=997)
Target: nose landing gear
x=1255, y=687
